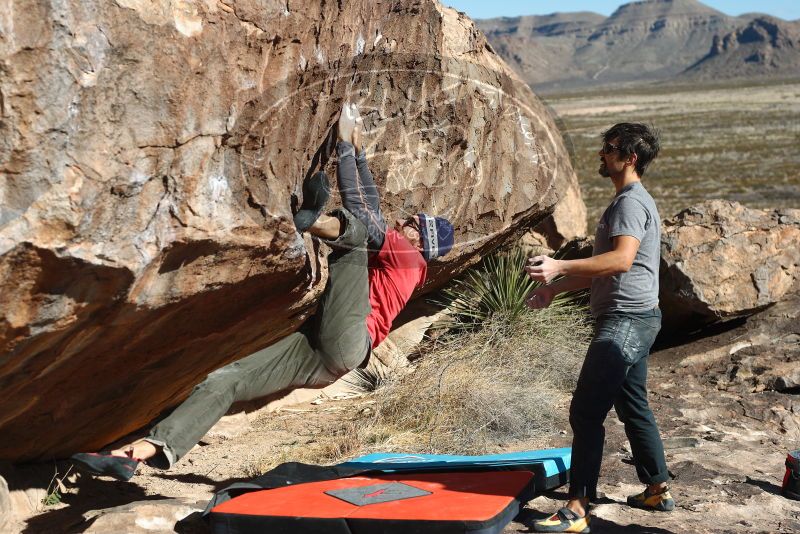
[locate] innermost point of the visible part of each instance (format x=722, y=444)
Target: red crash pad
x=474, y=502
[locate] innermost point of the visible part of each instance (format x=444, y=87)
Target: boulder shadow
x=193, y=478
x=93, y=494
x=193, y=523
x=768, y=487
x=527, y=516
x=604, y=525
x=671, y=337
x=560, y=494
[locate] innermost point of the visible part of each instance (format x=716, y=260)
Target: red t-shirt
x=394, y=272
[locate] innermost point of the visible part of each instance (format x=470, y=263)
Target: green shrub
x=495, y=291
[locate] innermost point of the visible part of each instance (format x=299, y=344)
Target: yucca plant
x=495, y=290
x=365, y=380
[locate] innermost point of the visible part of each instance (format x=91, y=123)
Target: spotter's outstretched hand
x=543, y=268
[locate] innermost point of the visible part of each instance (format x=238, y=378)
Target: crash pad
x=473, y=502
x=550, y=466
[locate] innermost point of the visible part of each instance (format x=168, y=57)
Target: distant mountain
x=766, y=46
x=640, y=41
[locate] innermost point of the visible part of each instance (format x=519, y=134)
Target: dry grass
x=478, y=391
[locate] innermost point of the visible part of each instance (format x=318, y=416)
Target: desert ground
x=733, y=141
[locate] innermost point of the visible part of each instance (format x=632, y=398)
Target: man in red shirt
x=373, y=271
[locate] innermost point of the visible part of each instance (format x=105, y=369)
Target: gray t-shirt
x=632, y=212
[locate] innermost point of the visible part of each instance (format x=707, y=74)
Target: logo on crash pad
x=404, y=460
x=377, y=493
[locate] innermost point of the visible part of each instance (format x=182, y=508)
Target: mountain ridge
x=641, y=41
x=765, y=45
x=650, y=8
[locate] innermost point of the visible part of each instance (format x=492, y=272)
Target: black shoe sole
x=316, y=192
x=100, y=464
x=305, y=219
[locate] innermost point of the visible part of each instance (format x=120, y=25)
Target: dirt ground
x=726, y=433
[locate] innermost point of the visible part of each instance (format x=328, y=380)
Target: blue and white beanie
x=437, y=236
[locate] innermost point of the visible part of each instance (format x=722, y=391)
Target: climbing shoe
x=565, y=520
x=791, y=480
x=661, y=501
x=347, y=122
x=316, y=192
x=105, y=464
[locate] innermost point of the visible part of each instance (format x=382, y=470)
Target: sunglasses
x=608, y=148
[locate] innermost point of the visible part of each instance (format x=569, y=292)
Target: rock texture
x=761, y=359
x=150, y=153
x=658, y=39
x=567, y=222
x=720, y=260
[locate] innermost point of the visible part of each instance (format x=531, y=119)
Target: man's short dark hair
x=635, y=138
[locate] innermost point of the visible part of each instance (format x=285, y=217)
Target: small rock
x=22, y=491
x=144, y=517
x=5, y=498
x=681, y=442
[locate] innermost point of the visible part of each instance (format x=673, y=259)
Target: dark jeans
x=335, y=341
x=360, y=194
x=614, y=373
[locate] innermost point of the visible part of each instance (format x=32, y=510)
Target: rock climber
x=373, y=271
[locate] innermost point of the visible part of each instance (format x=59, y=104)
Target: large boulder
x=720, y=259
x=568, y=221
x=150, y=155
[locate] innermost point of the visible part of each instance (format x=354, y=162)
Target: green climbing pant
x=334, y=342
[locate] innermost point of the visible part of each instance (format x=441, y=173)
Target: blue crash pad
x=550, y=465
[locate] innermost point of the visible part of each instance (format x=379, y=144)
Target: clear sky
x=483, y=9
